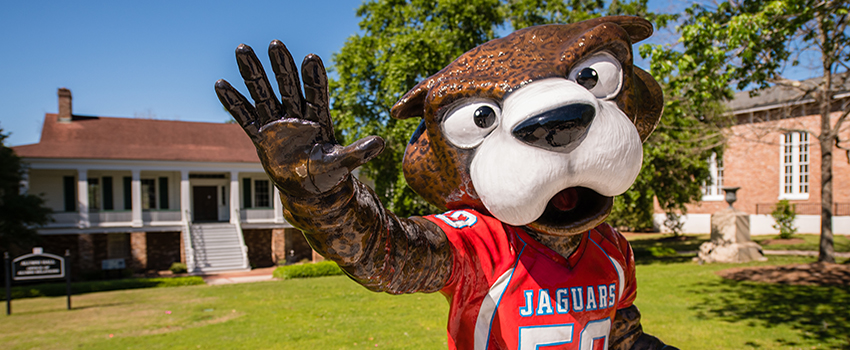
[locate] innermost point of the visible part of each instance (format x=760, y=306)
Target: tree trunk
x=826, y=138
x=827, y=249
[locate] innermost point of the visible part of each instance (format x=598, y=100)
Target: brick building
x=148, y=193
x=771, y=157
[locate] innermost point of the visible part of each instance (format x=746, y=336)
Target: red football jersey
x=508, y=291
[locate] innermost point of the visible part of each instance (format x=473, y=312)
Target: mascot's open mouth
x=572, y=211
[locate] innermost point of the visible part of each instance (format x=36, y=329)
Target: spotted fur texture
x=501, y=66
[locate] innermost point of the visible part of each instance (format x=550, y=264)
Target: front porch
x=207, y=206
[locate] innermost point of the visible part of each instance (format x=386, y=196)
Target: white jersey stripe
x=488, y=310
x=621, y=276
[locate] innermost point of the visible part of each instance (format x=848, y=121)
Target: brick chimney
x=64, y=105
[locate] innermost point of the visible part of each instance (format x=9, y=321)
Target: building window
x=794, y=179
x=713, y=190
x=261, y=194
x=94, y=194
x=148, y=194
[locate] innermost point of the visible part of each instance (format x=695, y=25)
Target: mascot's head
x=539, y=128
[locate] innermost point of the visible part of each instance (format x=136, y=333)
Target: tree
x=19, y=213
x=404, y=41
x=755, y=43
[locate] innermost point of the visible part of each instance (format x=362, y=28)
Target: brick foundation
x=138, y=251
x=163, y=249
x=259, y=243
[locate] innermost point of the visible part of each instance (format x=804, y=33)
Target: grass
x=316, y=313
x=683, y=303
x=318, y=269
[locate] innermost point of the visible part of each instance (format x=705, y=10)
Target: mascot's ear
x=412, y=104
x=638, y=28
x=648, y=111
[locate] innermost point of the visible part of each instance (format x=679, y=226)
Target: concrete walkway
x=255, y=275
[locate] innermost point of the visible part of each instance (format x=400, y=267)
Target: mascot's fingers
x=286, y=75
x=361, y=151
x=330, y=166
x=238, y=106
x=267, y=106
x=316, y=93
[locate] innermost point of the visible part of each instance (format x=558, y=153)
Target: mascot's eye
x=468, y=122
x=601, y=74
x=485, y=116
x=587, y=78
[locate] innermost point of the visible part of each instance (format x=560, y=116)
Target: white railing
x=160, y=215
x=97, y=217
x=64, y=219
x=245, y=263
x=257, y=215
x=187, y=242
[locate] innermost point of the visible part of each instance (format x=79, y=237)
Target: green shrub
x=58, y=289
x=784, y=215
x=322, y=268
x=178, y=267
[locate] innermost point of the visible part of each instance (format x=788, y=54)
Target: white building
x=154, y=192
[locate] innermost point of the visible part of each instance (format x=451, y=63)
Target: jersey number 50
x=532, y=338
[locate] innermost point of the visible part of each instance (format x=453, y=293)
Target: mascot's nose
x=556, y=128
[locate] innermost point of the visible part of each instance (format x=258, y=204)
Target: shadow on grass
x=665, y=249
x=58, y=289
x=818, y=312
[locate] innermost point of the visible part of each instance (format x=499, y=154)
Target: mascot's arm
x=342, y=218
x=627, y=333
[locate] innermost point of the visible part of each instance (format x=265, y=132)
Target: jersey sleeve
x=479, y=248
x=625, y=251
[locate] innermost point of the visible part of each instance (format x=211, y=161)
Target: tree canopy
x=405, y=41
x=19, y=213
x=754, y=44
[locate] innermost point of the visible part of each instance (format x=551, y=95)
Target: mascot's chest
x=518, y=294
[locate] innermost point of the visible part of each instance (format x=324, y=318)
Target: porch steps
x=217, y=247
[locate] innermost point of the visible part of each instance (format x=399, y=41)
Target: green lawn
x=684, y=303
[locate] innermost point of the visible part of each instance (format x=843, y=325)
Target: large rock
x=730, y=239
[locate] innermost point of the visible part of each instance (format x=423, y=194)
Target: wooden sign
x=38, y=265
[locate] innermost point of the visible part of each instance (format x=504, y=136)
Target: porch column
x=278, y=207
x=136, y=190
x=184, y=196
x=83, y=198
x=234, y=197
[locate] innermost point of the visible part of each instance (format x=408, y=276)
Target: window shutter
x=70, y=188
x=246, y=193
x=107, y=193
x=128, y=193
x=163, y=193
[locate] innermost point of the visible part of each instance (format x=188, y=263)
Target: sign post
x=8, y=273
x=68, y=276
x=36, y=266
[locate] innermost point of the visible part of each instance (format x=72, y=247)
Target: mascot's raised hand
x=524, y=141
x=294, y=136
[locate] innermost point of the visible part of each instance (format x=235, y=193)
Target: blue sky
x=150, y=59
x=146, y=58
